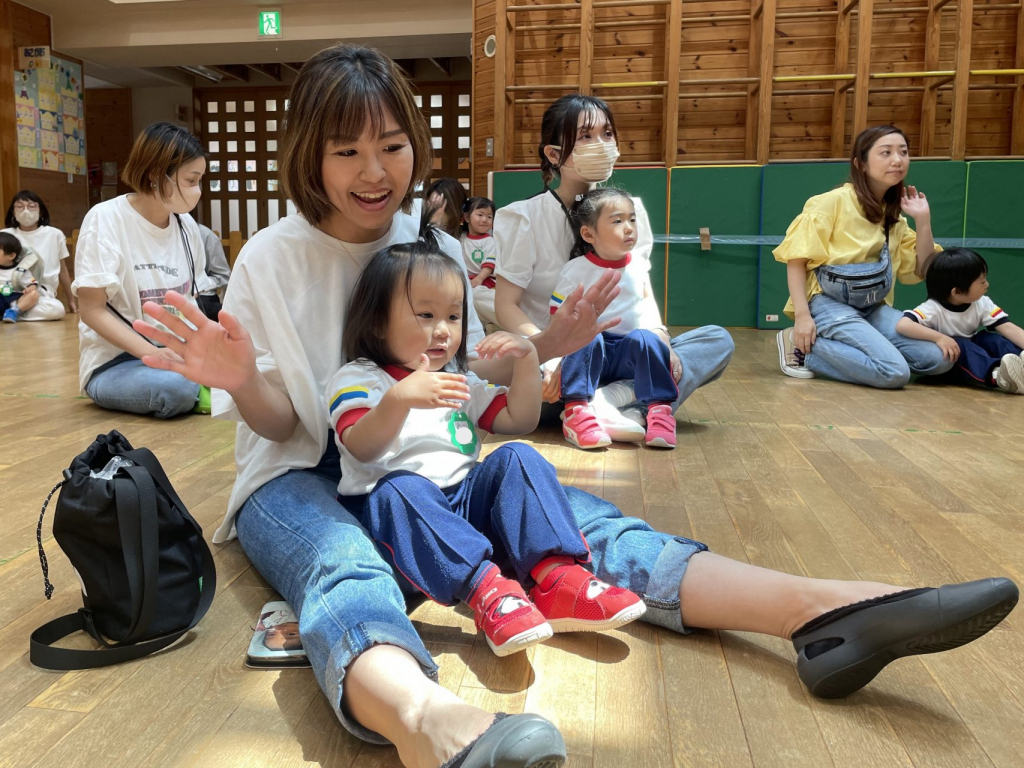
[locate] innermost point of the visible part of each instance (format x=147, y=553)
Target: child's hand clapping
x=502, y=343
x=426, y=389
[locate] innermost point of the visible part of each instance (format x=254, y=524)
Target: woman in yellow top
x=841, y=254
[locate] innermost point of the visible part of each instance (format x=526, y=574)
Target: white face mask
x=183, y=199
x=26, y=217
x=594, y=161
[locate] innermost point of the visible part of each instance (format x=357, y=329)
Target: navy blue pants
x=8, y=301
x=510, y=511
x=979, y=356
x=639, y=356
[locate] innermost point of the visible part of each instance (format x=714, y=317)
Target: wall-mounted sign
x=269, y=23
x=34, y=57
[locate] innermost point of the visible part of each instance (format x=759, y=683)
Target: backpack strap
x=43, y=654
x=137, y=520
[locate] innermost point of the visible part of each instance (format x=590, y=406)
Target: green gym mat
x=994, y=206
x=718, y=286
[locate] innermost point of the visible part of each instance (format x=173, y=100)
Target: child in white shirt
x=406, y=414
x=637, y=348
x=966, y=324
x=19, y=288
x=28, y=219
x=479, y=251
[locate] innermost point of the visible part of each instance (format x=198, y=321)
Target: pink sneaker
x=661, y=427
x=581, y=427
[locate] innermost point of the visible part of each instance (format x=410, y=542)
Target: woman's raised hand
x=915, y=204
x=218, y=355
x=575, y=324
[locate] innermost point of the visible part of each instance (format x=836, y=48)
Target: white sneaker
x=790, y=360
x=1009, y=376
x=619, y=427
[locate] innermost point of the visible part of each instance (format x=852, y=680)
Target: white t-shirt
x=440, y=444
x=23, y=274
x=50, y=246
x=135, y=261
x=479, y=251
x=635, y=303
x=534, y=242
x=290, y=290
x=962, y=323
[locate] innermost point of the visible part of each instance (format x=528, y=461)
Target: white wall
x=158, y=104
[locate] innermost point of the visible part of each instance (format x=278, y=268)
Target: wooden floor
x=920, y=486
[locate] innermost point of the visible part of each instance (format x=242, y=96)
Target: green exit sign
x=270, y=23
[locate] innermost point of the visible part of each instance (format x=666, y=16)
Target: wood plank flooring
x=919, y=486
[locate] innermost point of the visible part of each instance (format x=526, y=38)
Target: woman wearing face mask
x=578, y=146
x=28, y=219
x=841, y=254
x=131, y=250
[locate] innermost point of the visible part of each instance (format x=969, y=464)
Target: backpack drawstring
x=48, y=587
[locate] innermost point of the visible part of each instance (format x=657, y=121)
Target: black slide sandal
x=843, y=650
x=514, y=741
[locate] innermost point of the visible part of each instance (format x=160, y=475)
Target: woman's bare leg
x=387, y=692
x=719, y=593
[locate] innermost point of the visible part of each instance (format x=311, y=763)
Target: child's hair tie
x=578, y=198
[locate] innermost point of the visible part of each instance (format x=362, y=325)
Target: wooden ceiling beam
x=231, y=71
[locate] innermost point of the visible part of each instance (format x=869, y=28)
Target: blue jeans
x=321, y=560
x=127, y=384
x=639, y=356
x=862, y=346
x=704, y=353
x=510, y=511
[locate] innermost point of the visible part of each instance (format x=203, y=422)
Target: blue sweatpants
x=510, y=511
x=639, y=356
x=979, y=356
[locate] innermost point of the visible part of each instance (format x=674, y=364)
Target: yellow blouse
x=832, y=229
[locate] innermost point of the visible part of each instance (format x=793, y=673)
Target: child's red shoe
x=503, y=612
x=572, y=599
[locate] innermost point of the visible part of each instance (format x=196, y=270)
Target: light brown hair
x=887, y=210
x=158, y=152
x=336, y=93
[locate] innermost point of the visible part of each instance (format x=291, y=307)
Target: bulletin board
x=51, y=117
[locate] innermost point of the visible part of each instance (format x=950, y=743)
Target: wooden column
x=753, y=70
x=838, y=146
x=930, y=97
x=863, y=83
x=673, y=46
x=586, y=47
x=9, y=176
x=500, y=96
x=1017, y=116
x=961, y=81
x=764, y=106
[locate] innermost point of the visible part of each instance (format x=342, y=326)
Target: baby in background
x=967, y=325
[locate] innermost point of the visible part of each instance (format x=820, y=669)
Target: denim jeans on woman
x=127, y=384
x=315, y=553
x=862, y=346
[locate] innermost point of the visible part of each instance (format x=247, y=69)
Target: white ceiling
x=137, y=43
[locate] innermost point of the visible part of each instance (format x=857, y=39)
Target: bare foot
x=824, y=595
x=440, y=730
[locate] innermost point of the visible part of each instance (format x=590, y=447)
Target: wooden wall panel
x=718, y=39
x=67, y=201
x=482, y=124
x=108, y=127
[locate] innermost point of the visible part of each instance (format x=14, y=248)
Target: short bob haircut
x=158, y=152
x=30, y=197
x=953, y=268
x=338, y=93
x=388, y=278
x=10, y=244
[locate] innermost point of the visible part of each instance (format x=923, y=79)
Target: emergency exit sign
x=270, y=23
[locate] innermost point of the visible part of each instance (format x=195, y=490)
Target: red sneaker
x=572, y=599
x=509, y=621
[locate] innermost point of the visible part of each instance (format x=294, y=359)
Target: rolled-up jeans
x=321, y=560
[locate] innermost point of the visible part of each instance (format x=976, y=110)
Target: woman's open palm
x=217, y=355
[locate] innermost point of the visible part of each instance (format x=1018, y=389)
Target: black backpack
x=146, y=573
